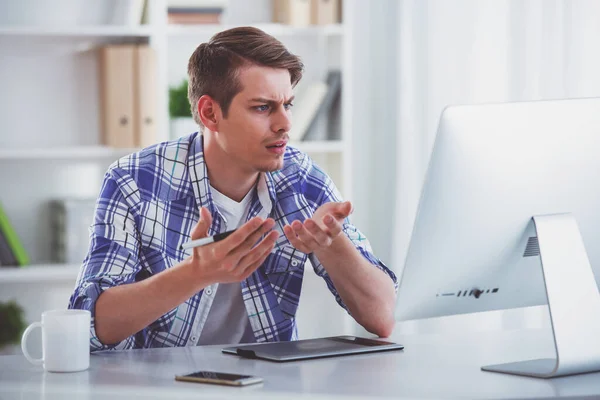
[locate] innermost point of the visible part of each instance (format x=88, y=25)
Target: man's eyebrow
x=270, y=101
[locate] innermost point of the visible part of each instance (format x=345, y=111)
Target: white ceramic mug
x=65, y=340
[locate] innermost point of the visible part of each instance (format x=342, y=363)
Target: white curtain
x=421, y=55
x=477, y=51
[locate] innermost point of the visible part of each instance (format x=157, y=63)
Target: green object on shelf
x=13, y=240
x=12, y=323
x=179, y=105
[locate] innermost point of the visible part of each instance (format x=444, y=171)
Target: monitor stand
x=573, y=300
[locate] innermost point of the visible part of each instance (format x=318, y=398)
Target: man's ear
x=209, y=112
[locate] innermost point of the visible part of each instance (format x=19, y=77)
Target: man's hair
x=213, y=68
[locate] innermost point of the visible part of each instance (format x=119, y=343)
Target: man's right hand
x=236, y=257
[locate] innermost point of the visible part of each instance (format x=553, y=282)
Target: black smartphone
x=219, y=378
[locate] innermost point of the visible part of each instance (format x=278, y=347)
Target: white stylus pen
x=206, y=240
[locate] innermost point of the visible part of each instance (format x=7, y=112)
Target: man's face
x=255, y=133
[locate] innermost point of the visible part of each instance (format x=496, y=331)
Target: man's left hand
x=319, y=231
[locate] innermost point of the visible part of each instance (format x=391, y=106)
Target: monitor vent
x=533, y=247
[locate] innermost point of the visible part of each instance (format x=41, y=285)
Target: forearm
x=124, y=310
x=367, y=291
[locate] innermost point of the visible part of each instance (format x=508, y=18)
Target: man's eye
x=288, y=105
x=262, y=108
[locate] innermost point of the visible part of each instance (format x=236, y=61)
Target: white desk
x=431, y=366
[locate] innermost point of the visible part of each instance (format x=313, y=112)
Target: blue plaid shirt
x=148, y=204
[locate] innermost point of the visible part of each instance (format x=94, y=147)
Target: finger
x=254, y=266
x=304, y=235
x=205, y=215
x=251, y=240
x=343, y=210
x=332, y=225
x=294, y=240
x=201, y=228
x=260, y=252
x=256, y=252
x=224, y=247
x=321, y=237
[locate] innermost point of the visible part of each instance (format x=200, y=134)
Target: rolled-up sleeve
x=320, y=188
x=113, y=255
x=363, y=246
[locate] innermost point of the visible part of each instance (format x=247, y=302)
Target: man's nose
x=282, y=121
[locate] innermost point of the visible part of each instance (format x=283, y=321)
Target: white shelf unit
x=49, y=130
x=278, y=30
x=65, y=153
x=41, y=273
x=58, y=153
x=99, y=31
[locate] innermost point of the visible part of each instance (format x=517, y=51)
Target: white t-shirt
x=227, y=320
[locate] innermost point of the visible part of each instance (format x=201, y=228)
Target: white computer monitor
x=476, y=245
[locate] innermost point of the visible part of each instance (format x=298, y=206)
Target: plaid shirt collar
x=198, y=172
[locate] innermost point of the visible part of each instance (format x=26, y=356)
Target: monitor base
x=573, y=301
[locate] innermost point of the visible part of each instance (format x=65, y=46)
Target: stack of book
x=12, y=252
x=313, y=103
x=195, y=11
x=307, y=12
x=70, y=220
x=128, y=95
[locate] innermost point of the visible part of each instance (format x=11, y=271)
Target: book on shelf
x=193, y=18
x=195, y=12
x=292, y=12
x=117, y=92
x=70, y=220
x=313, y=103
x=146, y=96
x=128, y=95
x=12, y=241
x=306, y=109
x=197, y=3
x=128, y=12
x=323, y=12
x=306, y=12
x=7, y=258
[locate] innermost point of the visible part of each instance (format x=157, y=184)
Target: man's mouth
x=278, y=144
x=277, y=147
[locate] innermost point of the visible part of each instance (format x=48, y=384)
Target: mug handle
x=30, y=328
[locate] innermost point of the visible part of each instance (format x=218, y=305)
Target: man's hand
x=236, y=257
x=319, y=231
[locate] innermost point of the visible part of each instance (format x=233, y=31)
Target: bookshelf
x=79, y=32
x=40, y=273
x=71, y=137
x=64, y=153
x=49, y=130
x=278, y=30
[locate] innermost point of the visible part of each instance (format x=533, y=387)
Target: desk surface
x=430, y=366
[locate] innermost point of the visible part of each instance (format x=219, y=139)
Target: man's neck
x=224, y=175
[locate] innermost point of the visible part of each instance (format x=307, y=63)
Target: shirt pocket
x=285, y=259
x=284, y=269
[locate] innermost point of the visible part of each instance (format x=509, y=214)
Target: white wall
x=372, y=27
x=420, y=55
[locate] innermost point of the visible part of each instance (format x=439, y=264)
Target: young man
x=144, y=291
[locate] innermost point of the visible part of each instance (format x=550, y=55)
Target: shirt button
x=194, y=338
x=294, y=263
x=209, y=291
